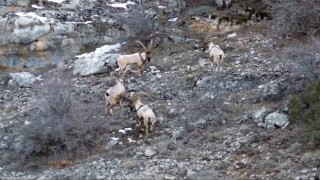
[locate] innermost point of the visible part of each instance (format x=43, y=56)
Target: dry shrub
x=296, y=17
x=61, y=127
x=141, y=27
x=305, y=58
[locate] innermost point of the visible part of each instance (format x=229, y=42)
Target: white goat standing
x=144, y=112
x=114, y=95
x=216, y=55
x=137, y=58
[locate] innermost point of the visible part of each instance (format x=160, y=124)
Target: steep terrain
x=212, y=125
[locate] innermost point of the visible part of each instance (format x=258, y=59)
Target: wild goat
x=115, y=94
x=144, y=112
x=138, y=58
x=216, y=55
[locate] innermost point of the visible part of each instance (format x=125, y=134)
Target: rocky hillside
x=230, y=124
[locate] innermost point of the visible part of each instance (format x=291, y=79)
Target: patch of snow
x=114, y=138
x=101, y=50
x=162, y=7
x=36, y=6
x=32, y=15
x=122, y=131
x=130, y=140
x=173, y=19
x=27, y=123
x=121, y=5
x=232, y=35
x=87, y=22
x=57, y=1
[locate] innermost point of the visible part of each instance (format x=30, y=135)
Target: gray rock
x=270, y=91
x=149, y=152
x=276, y=119
x=28, y=34
x=111, y=143
x=22, y=79
x=177, y=133
x=221, y=3
x=95, y=64
x=201, y=123
x=259, y=115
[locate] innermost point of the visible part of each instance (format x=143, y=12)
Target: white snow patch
x=32, y=15
x=36, y=6
x=232, y=35
x=102, y=50
x=121, y=5
x=114, y=138
x=26, y=123
x=162, y=7
x=122, y=131
x=57, y=1
x=87, y=22
x=130, y=140
x=173, y=19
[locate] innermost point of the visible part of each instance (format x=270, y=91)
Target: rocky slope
x=229, y=125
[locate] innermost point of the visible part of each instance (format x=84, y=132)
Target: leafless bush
x=141, y=27
x=61, y=127
x=296, y=17
x=305, y=58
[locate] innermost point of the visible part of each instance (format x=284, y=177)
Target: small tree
x=305, y=111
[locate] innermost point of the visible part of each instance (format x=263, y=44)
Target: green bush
x=306, y=110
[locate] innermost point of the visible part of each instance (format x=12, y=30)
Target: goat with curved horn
x=144, y=112
x=138, y=59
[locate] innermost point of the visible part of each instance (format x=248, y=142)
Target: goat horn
x=144, y=47
x=150, y=45
x=135, y=96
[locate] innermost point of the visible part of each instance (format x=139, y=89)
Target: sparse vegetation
x=296, y=17
x=304, y=57
x=305, y=111
x=140, y=26
x=61, y=128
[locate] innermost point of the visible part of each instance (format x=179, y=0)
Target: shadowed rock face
x=50, y=35
x=12, y=6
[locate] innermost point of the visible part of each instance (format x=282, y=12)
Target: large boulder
x=276, y=119
x=97, y=62
x=21, y=79
x=95, y=65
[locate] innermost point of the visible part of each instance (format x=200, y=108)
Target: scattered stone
x=275, y=120
x=149, y=152
x=111, y=143
x=22, y=79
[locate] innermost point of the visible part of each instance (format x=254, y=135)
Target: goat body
x=138, y=59
x=216, y=55
x=114, y=95
x=146, y=114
